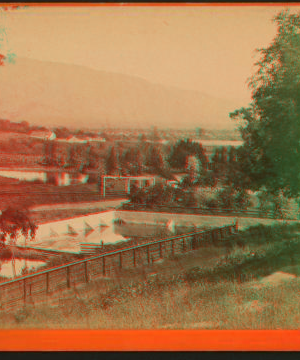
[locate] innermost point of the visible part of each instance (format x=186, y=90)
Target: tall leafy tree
x=194, y=169
x=270, y=125
x=15, y=221
x=182, y=150
x=111, y=165
x=154, y=158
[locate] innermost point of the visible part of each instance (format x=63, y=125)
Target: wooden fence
x=35, y=287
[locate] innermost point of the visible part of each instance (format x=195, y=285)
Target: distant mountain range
x=51, y=94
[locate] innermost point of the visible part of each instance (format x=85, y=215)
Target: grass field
x=31, y=194
x=43, y=214
x=206, y=289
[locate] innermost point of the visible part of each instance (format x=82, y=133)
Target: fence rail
x=35, y=287
x=269, y=214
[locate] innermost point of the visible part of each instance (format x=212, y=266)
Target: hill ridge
x=50, y=93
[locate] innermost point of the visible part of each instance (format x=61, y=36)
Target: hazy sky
x=207, y=48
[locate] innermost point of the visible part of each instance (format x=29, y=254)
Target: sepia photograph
x=149, y=167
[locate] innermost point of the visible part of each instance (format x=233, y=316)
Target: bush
x=209, y=180
x=241, y=199
x=226, y=198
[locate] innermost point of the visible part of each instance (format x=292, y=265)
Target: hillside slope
x=48, y=93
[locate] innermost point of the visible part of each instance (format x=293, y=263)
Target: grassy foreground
x=225, y=292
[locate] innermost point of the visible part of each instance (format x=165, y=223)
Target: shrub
x=241, y=199
x=225, y=197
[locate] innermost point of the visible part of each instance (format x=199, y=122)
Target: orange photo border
x=147, y=340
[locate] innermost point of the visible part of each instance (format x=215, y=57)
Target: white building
x=43, y=134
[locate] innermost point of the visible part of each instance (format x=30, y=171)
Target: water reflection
x=11, y=268
x=104, y=234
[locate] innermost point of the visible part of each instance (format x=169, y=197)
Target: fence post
x=68, y=276
x=120, y=260
x=172, y=244
x=148, y=254
x=47, y=283
x=103, y=266
x=160, y=250
x=183, y=244
x=134, y=256
x=236, y=226
x=86, y=272
x=24, y=289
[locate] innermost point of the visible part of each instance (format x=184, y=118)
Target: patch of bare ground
x=274, y=279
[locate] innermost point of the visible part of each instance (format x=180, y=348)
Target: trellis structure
x=120, y=185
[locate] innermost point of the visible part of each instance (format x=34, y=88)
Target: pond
x=106, y=235
x=17, y=267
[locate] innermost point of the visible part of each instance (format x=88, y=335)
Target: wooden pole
x=183, y=244
x=148, y=254
x=120, y=260
x=128, y=186
x=160, y=250
x=86, y=272
x=68, y=276
x=134, y=261
x=47, y=283
x=104, y=266
x=236, y=226
x=172, y=244
x=24, y=289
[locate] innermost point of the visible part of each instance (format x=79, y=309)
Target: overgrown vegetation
x=210, y=296
x=14, y=222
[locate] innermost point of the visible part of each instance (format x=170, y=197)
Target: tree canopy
x=111, y=162
x=270, y=125
x=14, y=221
x=182, y=150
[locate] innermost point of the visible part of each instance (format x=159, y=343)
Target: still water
x=18, y=266
x=103, y=235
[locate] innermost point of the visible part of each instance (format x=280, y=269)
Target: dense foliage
x=180, y=152
x=13, y=222
x=162, y=194
x=270, y=125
